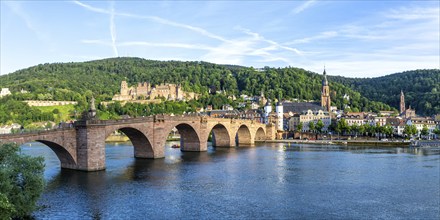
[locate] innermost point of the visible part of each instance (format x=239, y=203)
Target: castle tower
x=325, y=93
x=402, y=102
x=279, y=111
x=124, y=88
x=267, y=111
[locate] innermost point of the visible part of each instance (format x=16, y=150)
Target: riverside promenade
x=345, y=142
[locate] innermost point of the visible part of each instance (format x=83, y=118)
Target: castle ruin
x=145, y=91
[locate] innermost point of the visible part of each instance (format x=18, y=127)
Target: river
x=269, y=181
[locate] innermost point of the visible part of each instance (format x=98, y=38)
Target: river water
x=269, y=181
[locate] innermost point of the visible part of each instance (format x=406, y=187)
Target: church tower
x=325, y=93
x=402, y=102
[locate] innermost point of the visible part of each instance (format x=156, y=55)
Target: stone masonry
x=83, y=146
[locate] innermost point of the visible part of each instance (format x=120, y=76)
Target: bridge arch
x=141, y=144
x=244, y=136
x=189, y=137
x=220, y=136
x=67, y=160
x=260, y=135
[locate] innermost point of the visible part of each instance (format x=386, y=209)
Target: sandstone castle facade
x=145, y=91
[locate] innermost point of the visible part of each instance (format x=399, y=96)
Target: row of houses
x=288, y=116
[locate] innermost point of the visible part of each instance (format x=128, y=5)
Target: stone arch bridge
x=82, y=147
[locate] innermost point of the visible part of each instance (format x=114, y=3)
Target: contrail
x=113, y=29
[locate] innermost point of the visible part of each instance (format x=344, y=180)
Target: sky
x=349, y=38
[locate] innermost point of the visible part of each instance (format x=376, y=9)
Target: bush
x=21, y=182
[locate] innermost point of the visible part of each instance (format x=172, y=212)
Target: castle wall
x=145, y=90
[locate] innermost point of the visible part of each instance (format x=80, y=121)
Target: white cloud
x=303, y=6
x=173, y=45
x=156, y=19
x=234, y=51
x=414, y=13
x=320, y=36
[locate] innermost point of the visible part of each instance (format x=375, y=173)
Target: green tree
x=361, y=129
x=436, y=131
x=311, y=126
x=21, y=182
x=410, y=130
x=388, y=130
x=299, y=127
x=424, y=131
x=319, y=125
x=342, y=125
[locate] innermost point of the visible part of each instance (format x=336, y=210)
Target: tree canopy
x=21, y=182
x=102, y=78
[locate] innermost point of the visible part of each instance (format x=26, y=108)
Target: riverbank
x=345, y=142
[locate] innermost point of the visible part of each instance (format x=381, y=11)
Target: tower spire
x=325, y=93
x=402, y=102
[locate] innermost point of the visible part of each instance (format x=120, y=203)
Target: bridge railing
x=35, y=132
x=154, y=118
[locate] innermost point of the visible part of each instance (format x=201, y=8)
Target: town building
x=267, y=111
x=398, y=125
x=252, y=114
x=408, y=113
x=420, y=122
x=355, y=118
x=310, y=116
x=5, y=92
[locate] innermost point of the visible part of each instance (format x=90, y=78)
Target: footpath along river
x=269, y=181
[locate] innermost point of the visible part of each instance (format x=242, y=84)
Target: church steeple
x=325, y=93
x=402, y=102
x=324, y=81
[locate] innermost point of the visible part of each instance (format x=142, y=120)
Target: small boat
x=175, y=146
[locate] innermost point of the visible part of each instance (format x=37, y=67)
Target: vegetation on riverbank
x=21, y=182
x=101, y=79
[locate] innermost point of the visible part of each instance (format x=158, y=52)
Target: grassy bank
x=63, y=112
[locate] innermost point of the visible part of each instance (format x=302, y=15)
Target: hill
x=421, y=89
x=102, y=78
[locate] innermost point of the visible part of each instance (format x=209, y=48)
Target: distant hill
x=102, y=78
x=421, y=89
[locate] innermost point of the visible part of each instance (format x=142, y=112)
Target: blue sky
x=351, y=38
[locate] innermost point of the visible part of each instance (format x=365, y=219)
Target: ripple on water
x=266, y=182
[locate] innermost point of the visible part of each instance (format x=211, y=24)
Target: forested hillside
x=102, y=78
x=421, y=89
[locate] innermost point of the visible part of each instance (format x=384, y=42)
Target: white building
x=267, y=111
x=310, y=116
x=279, y=111
x=422, y=122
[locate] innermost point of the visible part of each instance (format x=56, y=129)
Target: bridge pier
x=90, y=142
x=193, y=146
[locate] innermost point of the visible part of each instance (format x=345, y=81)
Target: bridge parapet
x=82, y=147
x=33, y=133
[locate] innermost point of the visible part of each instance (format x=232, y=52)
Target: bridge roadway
x=82, y=147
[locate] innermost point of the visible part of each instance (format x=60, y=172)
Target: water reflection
x=268, y=181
